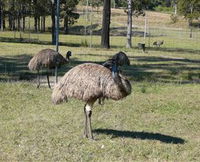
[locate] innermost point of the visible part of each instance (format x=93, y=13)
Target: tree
x=129, y=24
x=68, y=14
x=105, y=35
x=134, y=8
x=190, y=9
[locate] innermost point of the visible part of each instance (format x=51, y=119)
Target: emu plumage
x=89, y=82
x=47, y=58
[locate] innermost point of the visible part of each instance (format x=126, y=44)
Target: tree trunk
x=10, y=21
x=38, y=23
x=18, y=23
x=13, y=23
x=66, y=25
x=24, y=23
x=105, y=35
x=35, y=23
x=1, y=16
x=175, y=9
x=129, y=25
x=53, y=12
x=43, y=23
x=4, y=21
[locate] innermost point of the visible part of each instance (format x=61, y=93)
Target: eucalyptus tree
x=190, y=9
x=105, y=35
x=133, y=8
x=68, y=13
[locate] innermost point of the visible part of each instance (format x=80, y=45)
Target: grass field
x=159, y=121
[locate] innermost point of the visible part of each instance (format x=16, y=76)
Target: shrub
x=174, y=18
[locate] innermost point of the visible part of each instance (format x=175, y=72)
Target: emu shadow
x=141, y=135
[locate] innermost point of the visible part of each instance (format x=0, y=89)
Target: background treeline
x=14, y=13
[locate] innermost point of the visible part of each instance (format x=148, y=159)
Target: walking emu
x=158, y=43
x=49, y=59
x=89, y=82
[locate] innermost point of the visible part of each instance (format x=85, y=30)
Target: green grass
x=159, y=121
x=160, y=124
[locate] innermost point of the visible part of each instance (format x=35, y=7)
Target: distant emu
x=89, y=82
x=158, y=43
x=141, y=46
x=49, y=59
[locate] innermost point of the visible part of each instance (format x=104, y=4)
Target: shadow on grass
x=147, y=68
x=35, y=41
x=177, y=50
x=15, y=67
x=141, y=135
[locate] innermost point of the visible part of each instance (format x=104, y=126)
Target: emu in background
x=49, y=59
x=158, y=43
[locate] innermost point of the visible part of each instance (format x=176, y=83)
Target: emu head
x=68, y=54
x=118, y=59
x=121, y=58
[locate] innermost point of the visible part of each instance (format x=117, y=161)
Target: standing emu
x=158, y=43
x=89, y=82
x=49, y=59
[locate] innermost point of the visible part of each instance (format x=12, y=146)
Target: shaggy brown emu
x=49, y=59
x=89, y=82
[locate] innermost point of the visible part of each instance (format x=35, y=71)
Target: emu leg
x=56, y=74
x=85, y=124
x=48, y=79
x=101, y=101
x=90, y=135
x=88, y=128
x=38, y=78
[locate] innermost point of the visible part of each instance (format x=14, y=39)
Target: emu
x=158, y=43
x=49, y=59
x=89, y=82
x=141, y=46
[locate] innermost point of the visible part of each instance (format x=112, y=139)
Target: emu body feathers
x=89, y=82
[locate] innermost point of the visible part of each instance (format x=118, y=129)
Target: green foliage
x=84, y=43
x=189, y=8
x=174, y=18
x=93, y=3
x=67, y=11
x=163, y=9
x=138, y=6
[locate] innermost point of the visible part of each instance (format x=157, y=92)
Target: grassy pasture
x=159, y=121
